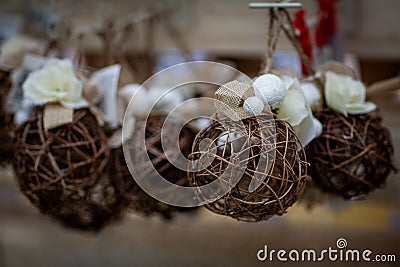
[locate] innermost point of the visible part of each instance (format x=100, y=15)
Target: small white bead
x=270, y=89
x=253, y=106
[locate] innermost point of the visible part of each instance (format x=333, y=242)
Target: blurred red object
x=303, y=34
x=327, y=24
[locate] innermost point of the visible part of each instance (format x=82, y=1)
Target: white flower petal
x=288, y=81
x=297, y=112
x=309, y=129
x=337, y=83
x=294, y=109
x=166, y=99
x=334, y=100
x=346, y=95
x=337, y=103
x=360, y=108
x=35, y=92
x=75, y=91
x=357, y=91
x=312, y=94
x=141, y=100
x=128, y=129
x=55, y=82
x=75, y=104
x=317, y=127
x=124, y=96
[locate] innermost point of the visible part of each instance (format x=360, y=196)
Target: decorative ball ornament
x=353, y=156
x=137, y=198
x=5, y=86
x=101, y=205
x=6, y=119
x=283, y=184
x=270, y=89
x=59, y=169
x=253, y=106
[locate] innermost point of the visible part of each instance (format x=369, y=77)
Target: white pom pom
x=253, y=106
x=270, y=89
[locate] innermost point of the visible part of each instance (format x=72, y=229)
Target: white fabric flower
x=345, y=95
x=165, y=98
x=270, y=89
x=297, y=112
x=312, y=94
x=145, y=100
x=55, y=82
x=141, y=102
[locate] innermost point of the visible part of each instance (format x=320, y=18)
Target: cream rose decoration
x=55, y=82
x=345, y=95
x=312, y=94
x=297, y=112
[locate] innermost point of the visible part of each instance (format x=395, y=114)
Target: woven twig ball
x=6, y=119
x=57, y=169
x=353, y=155
x=101, y=205
x=283, y=184
x=5, y=85
x=138, y=199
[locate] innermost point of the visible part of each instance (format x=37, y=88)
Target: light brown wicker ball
x=283, y=184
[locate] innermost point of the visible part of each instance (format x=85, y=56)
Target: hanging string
x=79, y=55
x=279, y=19
x=290, y=33
x=149, y=50
x=120, y=55
x=176, y=36
x=274, y=27
x=149, y=39
x=107, y=35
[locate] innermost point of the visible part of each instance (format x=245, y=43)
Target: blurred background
x=367, y=38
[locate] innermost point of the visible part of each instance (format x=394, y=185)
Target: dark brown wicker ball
x=5, y=83
x=353, y=155
x=59, y=169
x=101, y=205
x=283, y=184
x=138, y=199
x=6, y=120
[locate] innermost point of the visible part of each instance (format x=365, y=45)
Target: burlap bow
x=230, y=98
